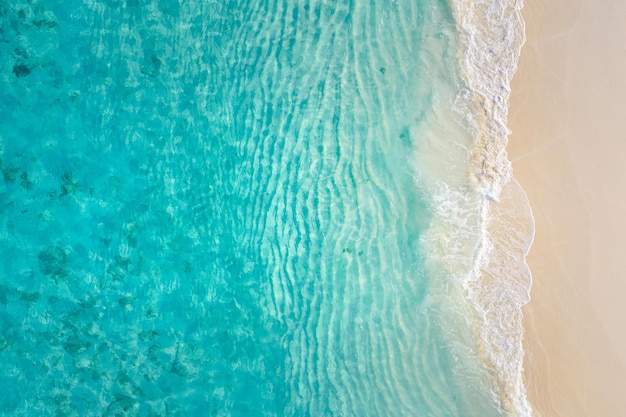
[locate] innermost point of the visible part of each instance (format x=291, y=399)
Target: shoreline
x=566, y=150
x=500, y=280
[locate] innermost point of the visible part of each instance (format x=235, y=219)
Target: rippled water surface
x=214, y=209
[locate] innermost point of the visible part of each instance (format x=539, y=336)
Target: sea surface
x=260, y=208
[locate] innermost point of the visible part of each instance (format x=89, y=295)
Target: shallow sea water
x=220, y=209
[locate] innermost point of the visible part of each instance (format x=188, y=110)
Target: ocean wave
x=491, y=36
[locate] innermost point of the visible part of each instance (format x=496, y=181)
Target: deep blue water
x=210, y=209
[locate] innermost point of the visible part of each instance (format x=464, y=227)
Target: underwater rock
x=44, y=21
x=25, y=181
x=118, y=268
x=52, y=261
x=10, y=173
x=70, y=185
x=21, y=70
x=151, y=67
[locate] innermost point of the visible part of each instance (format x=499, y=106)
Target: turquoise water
x=225, y=209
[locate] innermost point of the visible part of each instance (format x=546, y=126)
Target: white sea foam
x=491, y=35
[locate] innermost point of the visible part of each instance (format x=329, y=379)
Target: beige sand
x=568, y=147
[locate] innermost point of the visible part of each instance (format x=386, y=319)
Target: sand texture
x=568, y=147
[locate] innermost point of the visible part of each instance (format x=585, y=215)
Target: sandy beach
x=568, y=150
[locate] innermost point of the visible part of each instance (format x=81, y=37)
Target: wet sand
x=568, y=148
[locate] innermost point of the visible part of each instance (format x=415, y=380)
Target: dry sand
x=568, y=147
